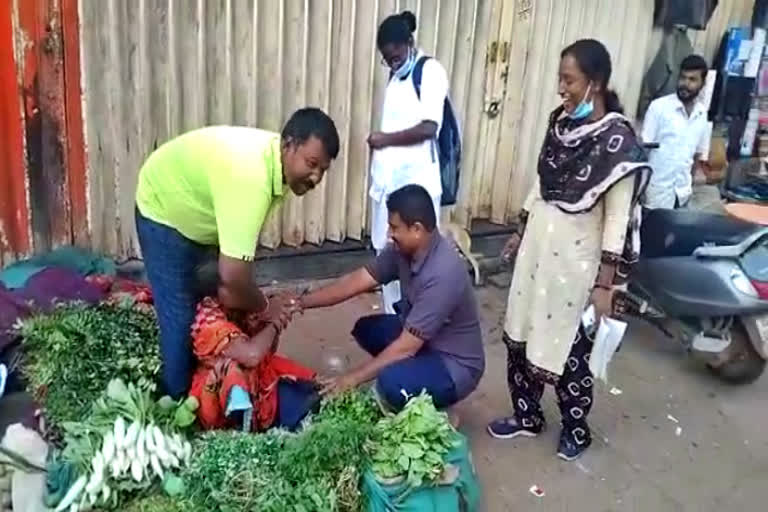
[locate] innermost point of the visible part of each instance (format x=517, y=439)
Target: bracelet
x=601, y=286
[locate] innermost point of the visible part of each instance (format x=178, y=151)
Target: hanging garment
x=661, y=78
x=694, y=14
x=760, y=14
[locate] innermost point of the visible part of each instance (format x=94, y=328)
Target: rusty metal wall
x=155, y=68
x=42, y=166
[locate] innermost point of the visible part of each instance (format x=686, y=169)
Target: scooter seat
x=672, y=233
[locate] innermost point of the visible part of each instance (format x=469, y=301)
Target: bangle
x=602, y=286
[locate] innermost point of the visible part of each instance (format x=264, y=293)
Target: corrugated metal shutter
x=155, y=68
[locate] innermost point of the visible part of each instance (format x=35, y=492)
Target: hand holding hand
x=277, y=312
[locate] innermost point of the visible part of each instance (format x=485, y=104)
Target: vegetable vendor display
x=321, y=468
x=72, y=353
x=318, y=468
x=121, y=448
x=124, y=446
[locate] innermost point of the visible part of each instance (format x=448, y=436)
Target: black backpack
x=448, y=142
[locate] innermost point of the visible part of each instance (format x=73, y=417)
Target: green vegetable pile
x=316, y=469
x=72, y=353
x=412, y=443
x=319, y=469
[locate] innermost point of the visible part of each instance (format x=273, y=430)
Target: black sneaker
x=573, y=444
x=508, y=428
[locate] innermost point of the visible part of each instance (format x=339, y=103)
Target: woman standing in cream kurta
x=579, y=233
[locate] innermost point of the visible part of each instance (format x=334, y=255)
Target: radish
x=94, y=484
x=177, y=445
x=120, y=432
x=108, y=448
x=131, y=434
x=137, y=470
x=156, y=467
x=141, y=450
x=158, y=437
x=149, y=439
x=97, y=464
x=72, y=494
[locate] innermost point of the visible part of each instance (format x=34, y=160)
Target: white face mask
x=584, y=109
x=406, y=67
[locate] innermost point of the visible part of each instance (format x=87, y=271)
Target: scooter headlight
x=742, y=283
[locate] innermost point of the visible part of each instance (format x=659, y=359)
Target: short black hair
x=413, y=204
x=312, y=122
x=695, y=63
x=397, y=29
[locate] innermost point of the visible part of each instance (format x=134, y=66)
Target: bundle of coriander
x=72, y=353
x=318, y=468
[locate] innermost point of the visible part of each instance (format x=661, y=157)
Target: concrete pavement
x=638, y=462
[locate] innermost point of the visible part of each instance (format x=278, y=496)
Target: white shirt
x=396, y=166
x=680, y=138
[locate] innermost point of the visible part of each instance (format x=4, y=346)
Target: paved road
x=638, y=463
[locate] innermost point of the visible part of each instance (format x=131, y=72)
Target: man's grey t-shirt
x=441, y=309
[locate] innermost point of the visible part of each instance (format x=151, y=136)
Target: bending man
x=434, y=343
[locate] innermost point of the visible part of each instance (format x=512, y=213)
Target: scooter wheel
x=744, y=365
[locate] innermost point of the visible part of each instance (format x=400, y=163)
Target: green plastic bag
x=462, y=495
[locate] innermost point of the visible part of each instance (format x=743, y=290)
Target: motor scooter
x=702, y=279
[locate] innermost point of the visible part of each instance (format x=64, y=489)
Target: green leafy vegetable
x=72, y=353
x=412, y=443
x=316, y=469
x=154, y=503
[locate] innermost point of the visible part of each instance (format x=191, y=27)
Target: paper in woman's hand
x=609, y=334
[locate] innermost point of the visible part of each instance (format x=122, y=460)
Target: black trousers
x=573, y=388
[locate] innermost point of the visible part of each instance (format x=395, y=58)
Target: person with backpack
x=418, y=142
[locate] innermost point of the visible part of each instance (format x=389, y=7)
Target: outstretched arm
x=340, y=290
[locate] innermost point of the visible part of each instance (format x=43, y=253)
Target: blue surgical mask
x=405, y=69
x=584, y=109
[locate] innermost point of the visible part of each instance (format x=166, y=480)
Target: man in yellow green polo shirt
x=214, y=187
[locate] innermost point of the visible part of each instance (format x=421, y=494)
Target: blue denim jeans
x=171, y=261
x=423, y=371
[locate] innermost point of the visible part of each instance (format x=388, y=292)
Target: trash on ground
x=616, y=391
x=672, y=419
x=678, y=431
x=537, y=491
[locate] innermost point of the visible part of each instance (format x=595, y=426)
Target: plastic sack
x=609, y=334
x=461, y=493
